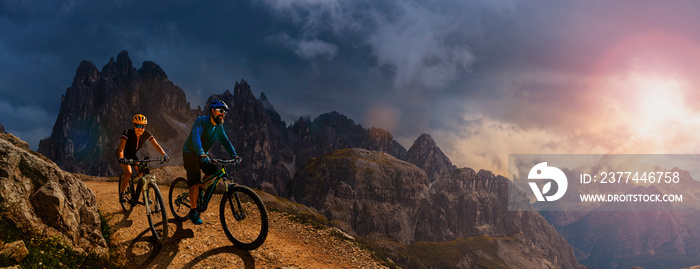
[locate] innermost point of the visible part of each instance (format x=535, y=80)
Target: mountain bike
x=243, y=214
x=152, y=198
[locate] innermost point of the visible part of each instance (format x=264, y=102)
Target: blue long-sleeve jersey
x=203, y=136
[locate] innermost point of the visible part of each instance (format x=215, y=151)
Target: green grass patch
x=379, y=249
x=449, y=254
x=481, y=250
x=307, y=219
x=105, y=229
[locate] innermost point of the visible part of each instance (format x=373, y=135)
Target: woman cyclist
x=131, y=141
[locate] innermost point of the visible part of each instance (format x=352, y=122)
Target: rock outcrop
x=332, y=131
x=36, y=194
x=257, y=137
x=2, y=129
x=98, y=107
x=368, y=193
x=427, y=155
x=467, y=204
x=15, y=251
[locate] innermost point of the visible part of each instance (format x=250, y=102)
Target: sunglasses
x=221, y=110
x=139, y=126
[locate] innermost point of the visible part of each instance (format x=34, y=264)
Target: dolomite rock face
x=99, y=105
x=368, y=192
x=36, y=194
x=428, y=156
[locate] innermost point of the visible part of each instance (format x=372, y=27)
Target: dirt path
x=289, y=244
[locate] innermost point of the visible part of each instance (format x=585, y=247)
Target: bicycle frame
x=237, y=202
x=205, y=197
x=142, y=179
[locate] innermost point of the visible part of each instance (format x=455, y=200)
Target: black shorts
x=192, y=166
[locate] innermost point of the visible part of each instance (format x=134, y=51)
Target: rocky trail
x=289, y=244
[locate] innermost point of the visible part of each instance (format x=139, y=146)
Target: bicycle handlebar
x=134, y=162
x=224, y=161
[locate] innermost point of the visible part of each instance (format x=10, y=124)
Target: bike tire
x=128, y=194
x=179, y=208
x=158, y=214
x=247, y=230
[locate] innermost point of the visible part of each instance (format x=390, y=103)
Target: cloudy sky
x=485, y=78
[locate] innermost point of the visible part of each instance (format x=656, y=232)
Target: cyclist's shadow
x=124, y=222
x=157, y=255
x=248, y=260
x=161, y=256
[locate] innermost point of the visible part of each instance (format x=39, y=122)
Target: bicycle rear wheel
x=179, y=198
x=127, y=195
x=243, y=217
x=157, y=217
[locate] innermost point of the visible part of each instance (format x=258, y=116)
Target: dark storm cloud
x=409, y=66
x=310, y=57
x=202, y=48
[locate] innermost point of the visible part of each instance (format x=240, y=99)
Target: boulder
x=38, y=196
x=15, y=251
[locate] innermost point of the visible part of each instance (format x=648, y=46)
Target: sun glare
x=658, y=99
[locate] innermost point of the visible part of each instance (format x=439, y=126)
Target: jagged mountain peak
x=87, y=72
x=301, y=127
x=123, y=68
x=425, y=139
x=123, y=60
x=335, y=120
x=243, y=90
x=98, y=107
x=266, y=103
x=151, y=70
x=109, y=69
x=2, y=129
x=425, y=154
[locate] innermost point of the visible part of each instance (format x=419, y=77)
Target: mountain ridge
x=376, y=196
x=277, y=156
x=98, y=106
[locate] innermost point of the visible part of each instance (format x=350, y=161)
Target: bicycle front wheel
x=128, y=194
x=179, y=198
x=157, y=216
x=243, y=217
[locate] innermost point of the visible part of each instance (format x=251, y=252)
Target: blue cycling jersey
x=203, y=135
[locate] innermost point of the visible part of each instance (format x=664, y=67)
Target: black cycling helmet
x=218, y=104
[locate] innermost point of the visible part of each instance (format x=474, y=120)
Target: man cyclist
x=131, y=141
x=205, y=131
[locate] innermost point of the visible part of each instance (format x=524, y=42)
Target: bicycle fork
x=146, y=180
x=237, y=210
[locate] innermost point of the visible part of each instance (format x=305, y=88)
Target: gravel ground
x=289, y=244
